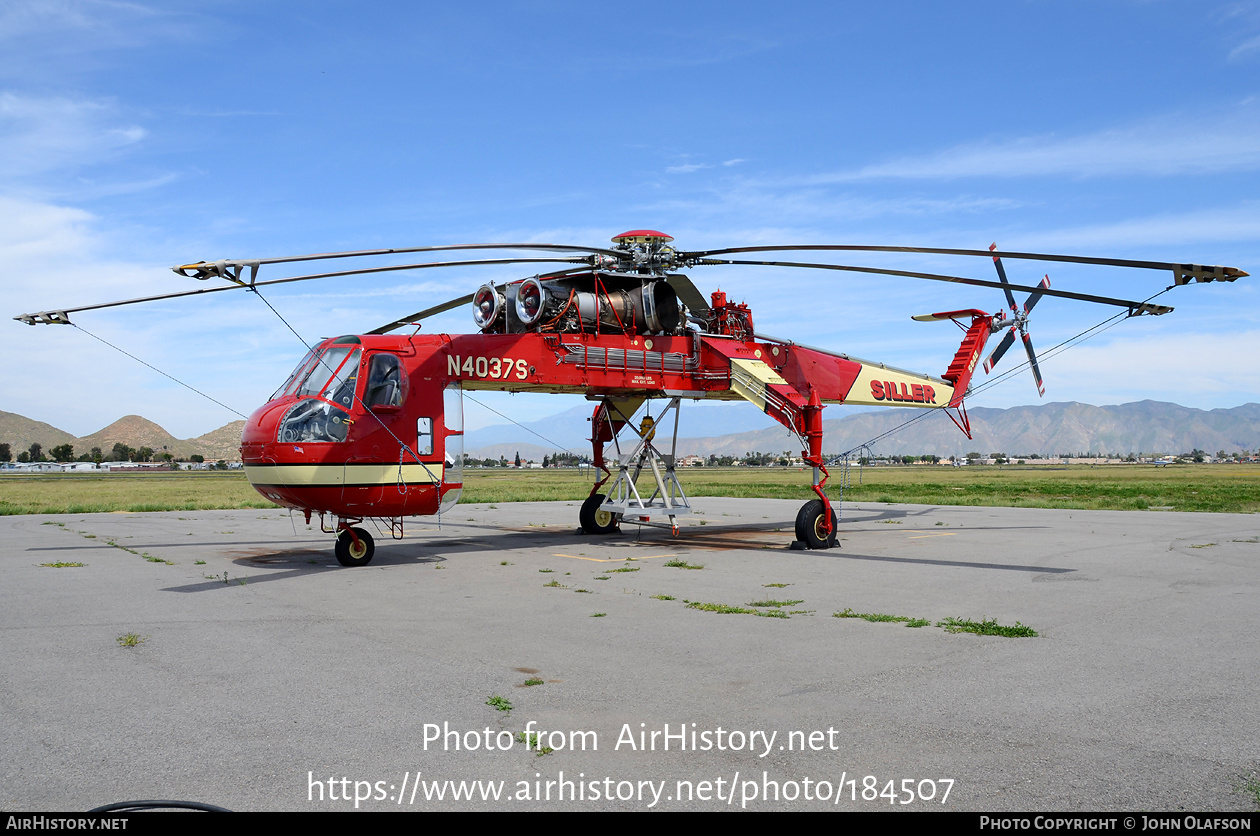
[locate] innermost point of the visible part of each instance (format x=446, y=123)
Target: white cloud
x=42, y=135
x=686, y=168
x=1227, y=223
x=1204, y=370
x=1249, y=45
x=790, y=204
x=1172, y=145
x=57, y=256
x=44, y=33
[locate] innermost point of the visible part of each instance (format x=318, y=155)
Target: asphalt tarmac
x=264, y=676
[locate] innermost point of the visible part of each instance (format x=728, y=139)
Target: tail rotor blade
x=1032, y=361
x=1036, y=295
x=1001, y=271
x=1006, y=343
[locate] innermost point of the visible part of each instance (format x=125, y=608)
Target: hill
x=223, y=443
x=1047, y=429
x=1143, y=427
x=1149, y=427
x=133, y=431
x=20, y=432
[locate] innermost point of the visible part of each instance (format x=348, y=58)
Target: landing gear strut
x=816, y=523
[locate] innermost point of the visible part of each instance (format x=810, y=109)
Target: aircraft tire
x=348, y=555
x=594, y=520
x=808, y=520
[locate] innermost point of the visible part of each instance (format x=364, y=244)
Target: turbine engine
x=591, y=303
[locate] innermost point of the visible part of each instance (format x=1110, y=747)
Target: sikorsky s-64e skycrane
x=370, y=425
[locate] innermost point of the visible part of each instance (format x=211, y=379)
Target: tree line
x=65, y=453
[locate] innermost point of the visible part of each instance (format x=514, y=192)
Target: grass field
x=1224, y=488
x=90, y=493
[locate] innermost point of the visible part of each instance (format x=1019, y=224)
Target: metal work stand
x=668, y=499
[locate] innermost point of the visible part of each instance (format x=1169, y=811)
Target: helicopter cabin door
x=380, y=466
x=453, y=445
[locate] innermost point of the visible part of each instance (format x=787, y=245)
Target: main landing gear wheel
x=350, y=553
x=594, y=519
x=809, y=521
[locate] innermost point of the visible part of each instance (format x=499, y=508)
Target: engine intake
x=587, y=304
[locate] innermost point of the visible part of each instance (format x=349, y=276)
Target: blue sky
x=136, y=136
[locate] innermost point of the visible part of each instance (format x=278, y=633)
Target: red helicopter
x=369, y=426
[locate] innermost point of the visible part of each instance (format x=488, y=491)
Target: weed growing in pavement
x=986, y=627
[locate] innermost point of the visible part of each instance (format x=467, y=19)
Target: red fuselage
x=371, y=426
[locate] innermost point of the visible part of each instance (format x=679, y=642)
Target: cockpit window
x=299, y=375
x=386, y=383
x=325, y=384
x=327, y=372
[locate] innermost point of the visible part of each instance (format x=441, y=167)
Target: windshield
x=329, y=378
x=331, y=371
x=299, y=374
x=325, y=373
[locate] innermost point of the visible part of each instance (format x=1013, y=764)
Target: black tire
x=348, y=555
x=808, y=522
x=595, y=520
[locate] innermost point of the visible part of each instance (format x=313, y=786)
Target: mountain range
x=735, y=429
x=20, y=432
x=1047, y=430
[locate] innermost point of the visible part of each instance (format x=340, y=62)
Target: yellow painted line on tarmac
x=612, y=559
x=936, y=534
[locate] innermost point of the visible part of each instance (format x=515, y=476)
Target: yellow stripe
x=861, y=393
x=612, y=559
x=296, y=474
x=749, y=379
x=325, y=475
x=387, y=474
x=759, y=370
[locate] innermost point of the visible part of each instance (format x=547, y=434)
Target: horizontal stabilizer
x=937, y=317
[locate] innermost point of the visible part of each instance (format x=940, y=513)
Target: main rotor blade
x=1182, y=273
x=59, y=315
x=463, y=300
x=223, y=268
x=688, y=293
x=1135, y=308
x=1032, y=361
x=424, y=314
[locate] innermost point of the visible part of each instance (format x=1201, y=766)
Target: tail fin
x=964, y=363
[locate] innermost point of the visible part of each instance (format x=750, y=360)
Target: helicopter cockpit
x=324, y=384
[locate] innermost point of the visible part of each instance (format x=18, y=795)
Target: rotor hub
x=646, y=248
x=642, y=237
